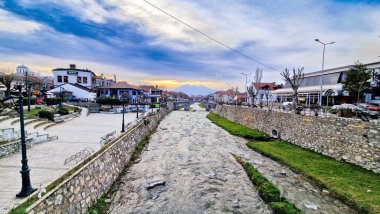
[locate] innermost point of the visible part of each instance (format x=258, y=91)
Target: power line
x=209, y=37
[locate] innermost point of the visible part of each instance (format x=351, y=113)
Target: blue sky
x=142, y=45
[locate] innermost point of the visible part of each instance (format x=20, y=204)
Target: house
x=122, y=90
x=103, y=81
x=223, y=96
x=263, y=92
x=174, y=96
x=332, y=87
x=152, y=94
x=70, y=90
x=240, y=97
x=74, y=76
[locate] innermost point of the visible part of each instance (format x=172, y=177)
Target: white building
x=82, y=77
x=75, y=90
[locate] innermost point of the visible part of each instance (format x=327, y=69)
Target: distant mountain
x=195, y=90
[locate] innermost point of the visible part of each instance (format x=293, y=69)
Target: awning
x=328, y=90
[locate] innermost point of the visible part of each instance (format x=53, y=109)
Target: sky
x=142, y=45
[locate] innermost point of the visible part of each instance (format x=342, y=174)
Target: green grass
x=202, y=105
x=267, y=191
x=237, y=129
x=33, y=112
x=99, y=207
x=356, y=186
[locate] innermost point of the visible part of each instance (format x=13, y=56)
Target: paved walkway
x=46, y=160
x=192, y=156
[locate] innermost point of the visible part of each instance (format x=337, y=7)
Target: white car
x=287, y=105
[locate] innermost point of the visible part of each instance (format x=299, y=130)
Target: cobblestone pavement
x=187, y=168
x=46, y=160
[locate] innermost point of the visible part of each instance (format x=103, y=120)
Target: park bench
x=108, y=137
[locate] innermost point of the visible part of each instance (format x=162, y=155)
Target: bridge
x=186, y=104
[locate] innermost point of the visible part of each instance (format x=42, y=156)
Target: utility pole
x=245, y=88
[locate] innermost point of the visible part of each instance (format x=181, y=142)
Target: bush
x=268, y=192
x=52, y=101
x=345, y=113
x=284, y=208
x=63, y=111
x=46, y=114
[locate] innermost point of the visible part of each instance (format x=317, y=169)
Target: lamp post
x=123, y=124
x=26, y=188
x=323, y=66
x=245, y=88
x=138, y=101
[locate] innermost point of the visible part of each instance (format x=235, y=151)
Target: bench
x=108, y=137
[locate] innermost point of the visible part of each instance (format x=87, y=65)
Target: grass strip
x=267, y=191
x=358, y=187
x=202, y=105
x=237, y=129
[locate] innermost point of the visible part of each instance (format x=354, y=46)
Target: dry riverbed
x=187, y=168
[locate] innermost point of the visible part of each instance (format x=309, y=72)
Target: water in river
x=187, y=168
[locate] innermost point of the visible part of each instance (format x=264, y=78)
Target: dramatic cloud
x=135, y=40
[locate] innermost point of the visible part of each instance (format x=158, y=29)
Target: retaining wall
x=79, y=191
x=351, y=140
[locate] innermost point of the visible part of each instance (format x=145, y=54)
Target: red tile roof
x=271, y=85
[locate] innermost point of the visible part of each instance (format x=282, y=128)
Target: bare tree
x=252, y=91
x=295, y=81
x=6, y=80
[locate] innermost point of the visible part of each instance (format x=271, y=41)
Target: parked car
x=369, y=106
x=287, y=105
x=357, y=108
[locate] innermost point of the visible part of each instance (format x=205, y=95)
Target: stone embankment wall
x=345, y=139
x=78, y=192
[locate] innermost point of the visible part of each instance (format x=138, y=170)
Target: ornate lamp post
x=138, y=102
x=26, y=188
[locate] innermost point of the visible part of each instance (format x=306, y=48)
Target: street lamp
x=123, y=124
x=26, y=188
x=323, y=66
x=27, y=85
x=138, y=101
x=245, y=88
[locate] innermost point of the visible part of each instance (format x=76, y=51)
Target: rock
x=310, y=205
x=107, y=201
x=154, y=184
x=283, y=172
x=358, y=159
x=325, y=191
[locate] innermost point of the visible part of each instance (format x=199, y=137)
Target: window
x=65, y=79
x=79, y=79
x=133, y=92
x=59, y=78
x=85, y=80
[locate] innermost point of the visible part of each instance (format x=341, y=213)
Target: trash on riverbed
x=310, y=205
x=154, y=184
x=283, y=172
x=209, y=175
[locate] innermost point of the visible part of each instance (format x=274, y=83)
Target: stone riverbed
x=188, y=168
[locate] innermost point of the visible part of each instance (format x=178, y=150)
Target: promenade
x=46, y=160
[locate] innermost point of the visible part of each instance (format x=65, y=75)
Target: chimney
x=72, y=66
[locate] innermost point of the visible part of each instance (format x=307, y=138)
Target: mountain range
x=194, y=90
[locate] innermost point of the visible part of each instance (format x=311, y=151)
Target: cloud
x=10, y=23
x=131, y=36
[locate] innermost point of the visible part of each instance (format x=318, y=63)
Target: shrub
x=52, y=101
x=46, y=114
x=284, y=207
x=63, y=111
x=268, y=192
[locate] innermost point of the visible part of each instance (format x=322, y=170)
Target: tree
x=252, y=91
x=6, y=80
x=357, y=80
x=295, y=81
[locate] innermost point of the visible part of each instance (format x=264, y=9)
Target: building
x=152, y=94
x=103, y=81
x=122, y=90
x=74, y=76
x=264, y=92
x=74, y=92
x=223, y=96
x=174, y=96
x=332, y=89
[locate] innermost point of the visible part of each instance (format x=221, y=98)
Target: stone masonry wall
x=77, y=193
x=345, y=139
